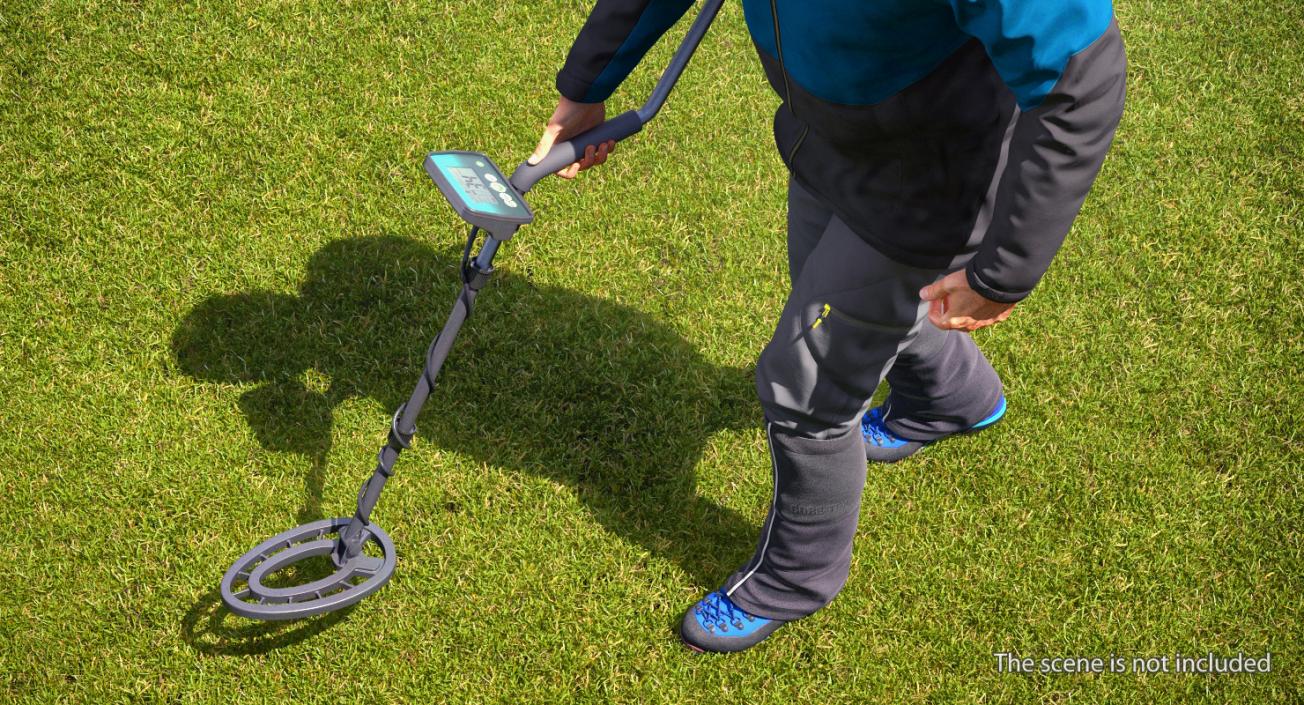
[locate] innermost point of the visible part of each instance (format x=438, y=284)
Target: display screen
x=479, y=185
x=474, y=187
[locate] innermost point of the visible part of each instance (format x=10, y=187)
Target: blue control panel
x=478, y=190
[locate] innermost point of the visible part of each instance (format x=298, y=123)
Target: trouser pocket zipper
x=828, y=311
x=823, y=313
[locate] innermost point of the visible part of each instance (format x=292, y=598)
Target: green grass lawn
x=221, y=262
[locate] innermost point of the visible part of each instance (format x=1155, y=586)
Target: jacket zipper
x=797, y=145
x=778, y=48
x=787, y=89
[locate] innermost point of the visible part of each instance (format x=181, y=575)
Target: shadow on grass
x=586, y=392
x=210, y=628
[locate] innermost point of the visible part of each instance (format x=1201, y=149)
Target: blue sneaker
x=881, y=446
x=716, y=624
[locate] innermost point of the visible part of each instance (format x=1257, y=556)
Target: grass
x=220, y=262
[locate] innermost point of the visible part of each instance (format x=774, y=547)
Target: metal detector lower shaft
x=404, y=424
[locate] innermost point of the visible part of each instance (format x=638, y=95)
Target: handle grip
x=572, y=150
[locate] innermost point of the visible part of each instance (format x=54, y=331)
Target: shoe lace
x=718, y=611
x=874, y=430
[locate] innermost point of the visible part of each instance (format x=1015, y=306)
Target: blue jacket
x=934, y=128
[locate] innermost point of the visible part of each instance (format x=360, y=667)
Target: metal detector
x=362, y=553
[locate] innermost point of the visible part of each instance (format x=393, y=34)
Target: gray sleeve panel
x=1055, y=153
x=616, y=36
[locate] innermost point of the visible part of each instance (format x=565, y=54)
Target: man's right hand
x=570, y=119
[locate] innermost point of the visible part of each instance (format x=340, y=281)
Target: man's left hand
x=955, y=306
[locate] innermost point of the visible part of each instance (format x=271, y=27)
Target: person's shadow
x=590, y=393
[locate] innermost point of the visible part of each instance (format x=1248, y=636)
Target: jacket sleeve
x=1065, y=63
x=613, y=40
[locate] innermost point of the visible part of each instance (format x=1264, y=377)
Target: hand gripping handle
x=572, y=150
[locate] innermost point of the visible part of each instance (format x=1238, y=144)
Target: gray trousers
x=853, y=318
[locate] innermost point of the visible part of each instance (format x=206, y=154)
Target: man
x=939, y=150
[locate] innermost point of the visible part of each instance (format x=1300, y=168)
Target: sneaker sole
x=992, y=419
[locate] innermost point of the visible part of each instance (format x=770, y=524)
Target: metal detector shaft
x=475, y=188
x=404, y=424
x=625, y=124
x=679, y=61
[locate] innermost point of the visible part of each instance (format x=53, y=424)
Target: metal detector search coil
x=363, y=554
x=246, y=595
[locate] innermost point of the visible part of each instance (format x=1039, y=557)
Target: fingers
x=964, y=323
x=937, y=313
x=545, y=143
x=955, y=306
x=941, y=317
x=592, y=157
x=604, y=151
x=570, y=171
x=940, y=288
